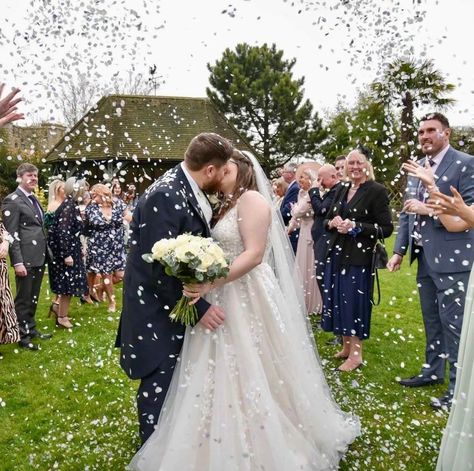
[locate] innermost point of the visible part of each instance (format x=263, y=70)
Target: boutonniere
x=215, y=201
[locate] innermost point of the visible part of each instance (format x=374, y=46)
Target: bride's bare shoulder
x=253, y=197
x=252, y=202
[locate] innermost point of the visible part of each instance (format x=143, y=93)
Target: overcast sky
x=339, y=45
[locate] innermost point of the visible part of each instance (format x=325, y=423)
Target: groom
x=150, y=343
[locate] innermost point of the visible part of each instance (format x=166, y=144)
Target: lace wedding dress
x=252, y=394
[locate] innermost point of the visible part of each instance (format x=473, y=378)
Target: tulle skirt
x=457, y=446
x=249, y=396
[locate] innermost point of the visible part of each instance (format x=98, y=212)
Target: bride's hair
x=245, y=181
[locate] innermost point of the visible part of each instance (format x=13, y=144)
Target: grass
x=70, y=407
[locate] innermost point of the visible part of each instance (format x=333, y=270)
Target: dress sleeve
x=67, y=229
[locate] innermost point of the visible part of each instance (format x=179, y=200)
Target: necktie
x=36, y=207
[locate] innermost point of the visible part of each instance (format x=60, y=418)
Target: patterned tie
x=37, y=207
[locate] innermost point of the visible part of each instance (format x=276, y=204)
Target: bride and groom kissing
x=243, y=388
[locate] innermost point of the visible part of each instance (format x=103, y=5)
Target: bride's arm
x=254, y=218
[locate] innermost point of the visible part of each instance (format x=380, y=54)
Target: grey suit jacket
x=20, y=220
x=446, y=252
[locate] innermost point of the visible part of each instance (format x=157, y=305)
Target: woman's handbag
x=379, y=261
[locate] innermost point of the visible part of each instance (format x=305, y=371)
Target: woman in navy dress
x=67, y=275
x=105, y=259
x=359, y=215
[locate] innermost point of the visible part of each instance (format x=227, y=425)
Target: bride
x=250, y=395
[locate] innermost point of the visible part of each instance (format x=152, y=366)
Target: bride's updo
x=245, y=181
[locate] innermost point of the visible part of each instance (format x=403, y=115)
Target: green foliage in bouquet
x=191, y=259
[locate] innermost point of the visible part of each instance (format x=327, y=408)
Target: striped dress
x=9, y=332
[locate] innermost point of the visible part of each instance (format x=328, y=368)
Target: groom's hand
x=213, y=318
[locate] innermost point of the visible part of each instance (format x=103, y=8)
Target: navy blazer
x=446, y=252
x=369, y=209
x=321, y=206
x=291, y=197
x=146, y=335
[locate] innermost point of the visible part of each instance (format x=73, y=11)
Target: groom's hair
x=208, y=148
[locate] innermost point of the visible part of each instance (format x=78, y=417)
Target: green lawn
x=70, y=407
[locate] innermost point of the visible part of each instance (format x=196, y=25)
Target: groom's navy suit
x=444, y=263
x=150, y=343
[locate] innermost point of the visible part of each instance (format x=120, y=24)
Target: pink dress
x=302, y=217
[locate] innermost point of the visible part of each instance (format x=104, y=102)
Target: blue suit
x=291, y=197
x=444, y=264
x=150, y=343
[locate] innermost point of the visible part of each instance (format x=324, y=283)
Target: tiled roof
x=142, y=127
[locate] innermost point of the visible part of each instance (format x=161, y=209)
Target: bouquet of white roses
x=191, y=259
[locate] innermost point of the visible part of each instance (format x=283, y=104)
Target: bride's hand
x=196, y=291
x=445, y=204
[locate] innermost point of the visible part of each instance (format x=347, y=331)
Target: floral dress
x=106, y=242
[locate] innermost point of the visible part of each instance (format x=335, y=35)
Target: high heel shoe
x=53, y=309
x=86, y=300
x=63, y=322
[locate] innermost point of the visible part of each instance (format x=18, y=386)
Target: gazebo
x=137, y=138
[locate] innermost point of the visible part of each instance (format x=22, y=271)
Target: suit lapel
x=358, y=195
x=191, y=198
x=447, y=161
x=28, y=203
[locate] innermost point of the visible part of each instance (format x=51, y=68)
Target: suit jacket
x=146, y=335
x=369, y=209
x=321, y=206
x=291, y=197
x=21, y=221
x=446, y=252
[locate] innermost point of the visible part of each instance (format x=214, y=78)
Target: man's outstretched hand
x=8, y=109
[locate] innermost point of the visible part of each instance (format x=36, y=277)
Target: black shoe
x=35, y=334
x=442, y=403
x=28, y=344
x=418, y=381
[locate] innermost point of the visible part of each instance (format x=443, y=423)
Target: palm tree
x=407, y=84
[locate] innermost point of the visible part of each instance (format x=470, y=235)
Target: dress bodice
x=226, y=233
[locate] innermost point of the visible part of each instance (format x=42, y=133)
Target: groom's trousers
x=151, y=396
x=442, y=298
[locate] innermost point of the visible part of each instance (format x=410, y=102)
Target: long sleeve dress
x=64, y=241
x=302, y=217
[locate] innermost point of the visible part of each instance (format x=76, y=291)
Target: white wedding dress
x=251, y=395
x=457, y=445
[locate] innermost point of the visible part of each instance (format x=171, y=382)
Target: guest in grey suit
x=23, y=219
x=444, y=258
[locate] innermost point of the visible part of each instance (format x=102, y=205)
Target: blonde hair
x=368, y=166
x=53, y=189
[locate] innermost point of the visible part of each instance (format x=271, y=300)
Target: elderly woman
x=358, y=216
x=105, y=259
x=67, y=275
x=302, y=218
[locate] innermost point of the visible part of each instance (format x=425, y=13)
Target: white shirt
x=438, y=158
x=200, y=196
